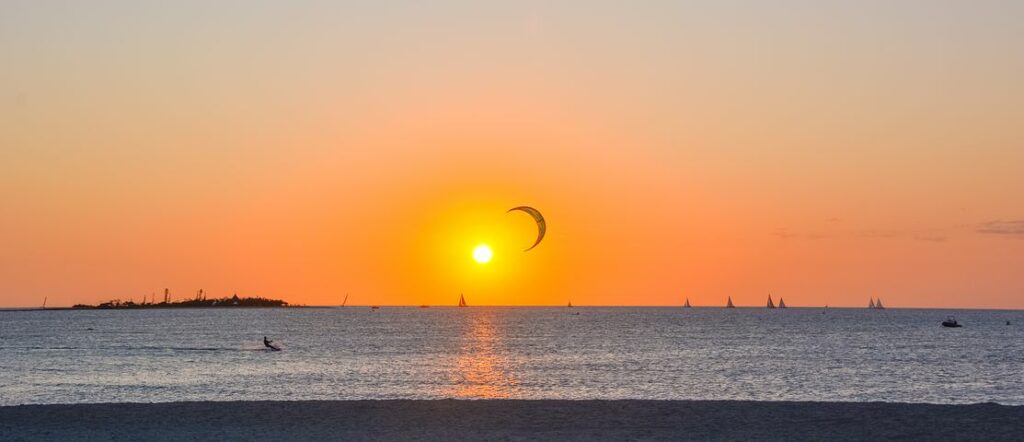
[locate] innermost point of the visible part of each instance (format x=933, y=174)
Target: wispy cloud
x=785, y=233
x=1002, y=227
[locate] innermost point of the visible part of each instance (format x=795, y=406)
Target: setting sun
x=482, y=254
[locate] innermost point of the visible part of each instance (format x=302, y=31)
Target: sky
x=824, y=152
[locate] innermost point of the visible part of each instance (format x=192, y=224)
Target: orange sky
x=824, y=153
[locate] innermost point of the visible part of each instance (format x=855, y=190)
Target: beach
x=511, y=420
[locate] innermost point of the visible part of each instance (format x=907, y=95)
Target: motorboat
x=951, y=322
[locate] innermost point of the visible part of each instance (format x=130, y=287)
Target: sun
x=482, y=253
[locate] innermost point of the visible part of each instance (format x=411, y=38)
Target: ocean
x=795, y=354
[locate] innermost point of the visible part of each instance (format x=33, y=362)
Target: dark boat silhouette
x=951, y=322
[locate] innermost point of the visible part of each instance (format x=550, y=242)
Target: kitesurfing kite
x=542, y=226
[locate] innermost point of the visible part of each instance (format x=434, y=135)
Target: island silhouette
x=199, y=301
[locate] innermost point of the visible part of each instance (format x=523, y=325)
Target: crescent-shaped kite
x=542, y=226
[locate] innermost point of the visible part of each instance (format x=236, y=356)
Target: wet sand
x=512, y=420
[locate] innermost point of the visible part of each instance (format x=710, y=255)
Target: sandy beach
x=511, y=420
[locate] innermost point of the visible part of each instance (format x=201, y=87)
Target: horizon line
x=560, y=306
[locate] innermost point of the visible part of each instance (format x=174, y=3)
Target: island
x=199, y=301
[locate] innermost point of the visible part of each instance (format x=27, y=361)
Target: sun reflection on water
x=481, y=370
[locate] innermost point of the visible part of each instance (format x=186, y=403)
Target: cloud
x=879, y=233
x=785, y=233
x=1002, y=227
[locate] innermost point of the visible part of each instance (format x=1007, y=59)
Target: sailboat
x=687, y=304
x=878, y=304
x=44, y=302
x=871, y=303
x=782, y=303
x=770, y=303
x=728, y=303
x=343, y=301
x=462, y=300
x=570, y=304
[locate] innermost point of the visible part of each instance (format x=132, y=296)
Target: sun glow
x=482, y=254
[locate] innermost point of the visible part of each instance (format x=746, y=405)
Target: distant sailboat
x=687, y=304
x=343, y=301
x=782, y=303
x=728, y=303
x=878, y=304
x=871, y=302
x=462, y=300
x=770, y=303
x=44, y=302
x=570, y=304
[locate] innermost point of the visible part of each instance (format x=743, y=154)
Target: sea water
x=800, y=354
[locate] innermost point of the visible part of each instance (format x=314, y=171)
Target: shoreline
x=88, y=309
x=511, y=420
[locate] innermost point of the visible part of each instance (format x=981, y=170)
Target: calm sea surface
x=537, y=353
